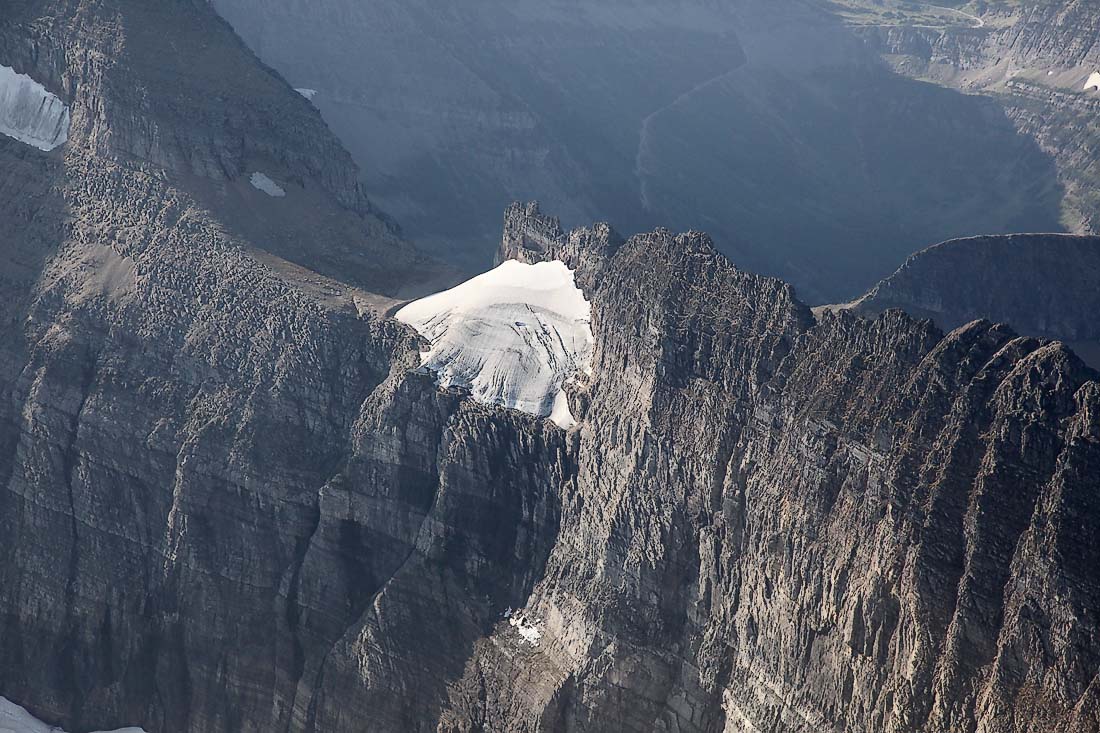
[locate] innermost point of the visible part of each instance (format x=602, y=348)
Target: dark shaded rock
x=1045, y=285
x=228, y=503
x=770, y=125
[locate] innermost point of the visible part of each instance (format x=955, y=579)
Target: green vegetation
x=941, y=14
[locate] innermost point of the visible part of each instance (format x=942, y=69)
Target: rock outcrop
x=762, y=521
x=777, y=525
x=176, y=388
x=229, y=502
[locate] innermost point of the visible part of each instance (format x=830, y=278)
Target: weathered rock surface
x=176, y=390
x=775, y=525
x=228, y=503
x=1044, y=285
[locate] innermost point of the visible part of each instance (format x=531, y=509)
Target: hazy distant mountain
x=1035, y=59
x=235, y=495
x=1045, y=285
x=770, y=125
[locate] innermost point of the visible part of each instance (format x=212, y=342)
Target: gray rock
x=1045, y=285
x=1033, y=58
x=228, y=503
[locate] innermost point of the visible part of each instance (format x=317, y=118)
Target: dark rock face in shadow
x=769, y=125
x=831, y=178
x=1044, y=285
x=227, y=503
x=1034, y=59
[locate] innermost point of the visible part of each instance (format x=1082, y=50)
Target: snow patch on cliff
x=528, y=628
x=15, y=719
x=512, y=336
x=307, y=93
x=1093, y=82
x=29, y=113
x=262, y=182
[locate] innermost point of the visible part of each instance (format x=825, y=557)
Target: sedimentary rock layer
x=229, y=502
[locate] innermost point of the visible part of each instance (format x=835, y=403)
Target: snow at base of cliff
x=263, y=182
x=29, y=113
x=15, y=719
x=1093, y=82
x=512, y=336
x=528, y=628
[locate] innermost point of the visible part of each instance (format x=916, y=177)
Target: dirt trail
x=644, y=133
x=978, y=21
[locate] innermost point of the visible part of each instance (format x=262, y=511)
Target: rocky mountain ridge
x=836, y=548
x=229, y=502
x=1045, y=285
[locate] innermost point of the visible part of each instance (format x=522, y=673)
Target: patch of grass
x=942, y=14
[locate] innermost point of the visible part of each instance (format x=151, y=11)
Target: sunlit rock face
x=513, y=336
x=31, y=114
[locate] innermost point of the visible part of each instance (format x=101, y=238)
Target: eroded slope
x=231, y=503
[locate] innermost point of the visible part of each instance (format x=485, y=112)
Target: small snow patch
x=263, y=183
x=560, y=413
x=307, y=93
x=15, y=719
x=1093, y=82
x=512, y=336
x=29, y=113
x=527, y=627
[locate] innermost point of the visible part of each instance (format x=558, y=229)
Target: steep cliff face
x=258, y=518
x=177, y=390
x=228, y=502
x=769, y=125
x=853, y=525
x=1035, y=59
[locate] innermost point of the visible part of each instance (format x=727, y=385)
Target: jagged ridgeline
x=1043, y=284
x=231, y=499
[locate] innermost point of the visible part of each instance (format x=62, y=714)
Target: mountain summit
x=238, y=494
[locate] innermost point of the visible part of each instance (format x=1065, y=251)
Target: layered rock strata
x=229, y=502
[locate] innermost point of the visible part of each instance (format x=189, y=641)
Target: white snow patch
x=307, y=93
x=527, y=628
x=29, y=113
x=1093, y=82
x=15, y=719
x=560, y=412
x=262, y=182
x=512, y=336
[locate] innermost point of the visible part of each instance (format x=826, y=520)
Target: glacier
x=513, y=336
x=15, y=719
x=29, y=113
